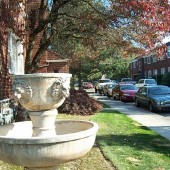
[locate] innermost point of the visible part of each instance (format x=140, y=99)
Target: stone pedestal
x=43, y=122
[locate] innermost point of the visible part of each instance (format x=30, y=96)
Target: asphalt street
x=158, y=122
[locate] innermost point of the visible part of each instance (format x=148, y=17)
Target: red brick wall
x=5, y=85
x=10, y=18
x=61, y=67
x=57, y=67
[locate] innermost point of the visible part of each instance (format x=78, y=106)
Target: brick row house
x=150, y=66
x=14, y=36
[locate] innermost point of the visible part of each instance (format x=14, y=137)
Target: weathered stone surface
x=44, y=143
x=73, y=140
x=41, y=91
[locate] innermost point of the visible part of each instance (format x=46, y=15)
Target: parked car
x=146, y=82
x=107, y=89
x=113, y=81
x=127, y=81
x=94, y=83
x=156, y=98
x=87, y=85
x=124, y=92
x=100, y=84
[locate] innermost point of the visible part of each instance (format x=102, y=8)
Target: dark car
x=124, y=92
x=156, y=98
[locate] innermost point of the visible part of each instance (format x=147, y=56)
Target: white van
x=146, y=82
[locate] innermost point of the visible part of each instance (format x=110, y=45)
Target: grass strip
x=129, y=145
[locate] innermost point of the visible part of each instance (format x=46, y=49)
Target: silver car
x=100, y=85
x=146, y=82
x=107, y=89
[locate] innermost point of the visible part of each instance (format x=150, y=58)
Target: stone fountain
x=44, y=143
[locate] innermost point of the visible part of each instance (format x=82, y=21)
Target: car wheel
x=113, y=96
x=137, y=104
x=120, y=98
x=151, y=107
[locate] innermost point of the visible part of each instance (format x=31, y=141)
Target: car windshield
x=126, y=79
x=128, y=87
x=159, y=91
x=111, y=85
x=104, y=81
x=150, y=82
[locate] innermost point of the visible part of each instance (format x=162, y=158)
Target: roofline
x=57, y=61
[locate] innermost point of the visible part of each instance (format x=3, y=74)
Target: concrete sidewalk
x=160, y=123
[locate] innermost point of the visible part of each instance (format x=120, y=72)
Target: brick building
x=14, y=37
x=51, y=62
x=150, y=66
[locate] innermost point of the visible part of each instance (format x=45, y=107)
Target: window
x=145, y=60
x=15, y=54
x=163, y=71
x=146, y=73
x=155, y=72
x=149, y=60
x=168, y=51
x=149, y=73
x=141, y=81
x=154, y=59
x=105, y=81
x=162, y=58
x=131, y=65
x=168, y=69
x=134, y=64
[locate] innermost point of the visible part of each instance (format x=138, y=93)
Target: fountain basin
x=41, y=91
x=73, y=140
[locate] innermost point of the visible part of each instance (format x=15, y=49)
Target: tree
x=89, y=22
x=165, y=79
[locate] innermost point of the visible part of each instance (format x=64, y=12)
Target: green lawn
x=129, y=145
x=124, y=143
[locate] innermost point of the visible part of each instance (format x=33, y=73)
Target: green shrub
x=158, y=79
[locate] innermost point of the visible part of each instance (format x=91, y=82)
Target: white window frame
x=155, y=72
x=149, y=73
x=15, y=54
x=162, y=70
x=146, y=73
x=168, y=69
x=149, y=60
x=154, y=59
